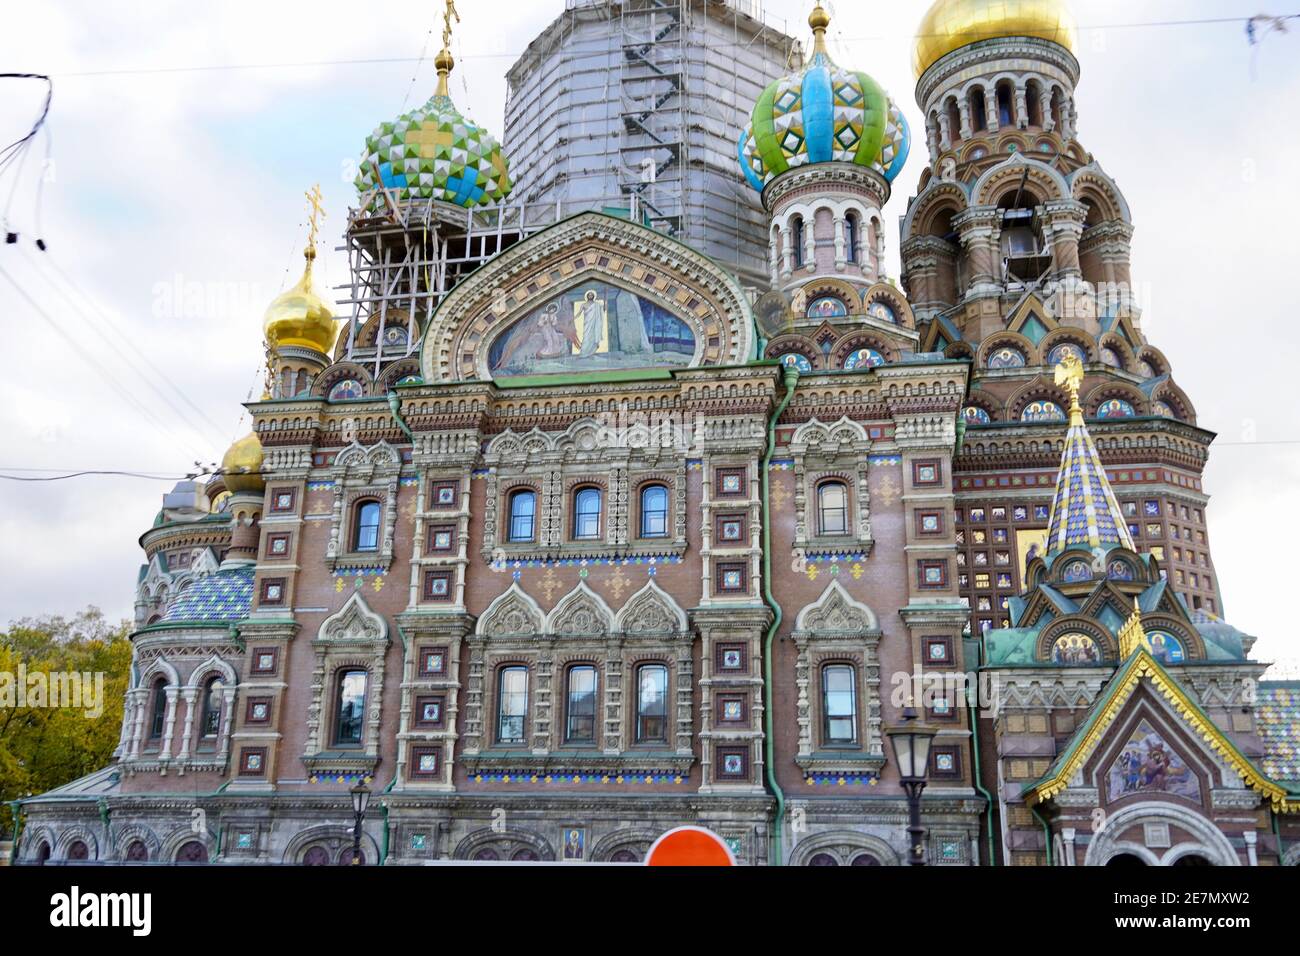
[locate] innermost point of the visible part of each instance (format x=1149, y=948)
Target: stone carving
x=651, y=611
x=581, y=612
x=512, y=614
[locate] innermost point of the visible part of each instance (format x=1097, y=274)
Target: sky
x=173, y=212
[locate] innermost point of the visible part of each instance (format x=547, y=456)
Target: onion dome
x=433, y=152
x=953, y=24
x=241, y=466
x=300, y=317
x=823, y=114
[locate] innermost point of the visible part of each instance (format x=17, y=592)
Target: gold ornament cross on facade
x=317, y=213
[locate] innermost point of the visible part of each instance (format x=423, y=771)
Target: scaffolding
x=631, y=108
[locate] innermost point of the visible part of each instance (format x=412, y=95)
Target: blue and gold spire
x=1084, y=511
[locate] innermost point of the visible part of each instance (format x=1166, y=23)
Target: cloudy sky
x=173, y=213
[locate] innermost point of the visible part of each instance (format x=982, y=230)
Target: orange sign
x=690, y=846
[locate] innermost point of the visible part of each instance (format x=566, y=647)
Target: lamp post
x=911, y=741
x=360, y=800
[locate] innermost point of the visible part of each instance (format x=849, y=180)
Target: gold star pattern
x=857, y=570
x=378, y=585
x=812, y=572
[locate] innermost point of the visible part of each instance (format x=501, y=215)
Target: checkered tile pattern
x=223, y=596
x=434, y=153
x=1084, y=512
x=1277, y=713
x=823, y=114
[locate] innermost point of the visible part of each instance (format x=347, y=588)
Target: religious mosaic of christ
x=593, y=327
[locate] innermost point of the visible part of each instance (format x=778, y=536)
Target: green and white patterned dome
x=823, y=114
x=433, y=152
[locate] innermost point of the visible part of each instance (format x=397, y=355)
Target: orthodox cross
x=447, y=17
x=317, y=213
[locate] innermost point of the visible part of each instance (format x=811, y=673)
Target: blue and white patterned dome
x=823, y=114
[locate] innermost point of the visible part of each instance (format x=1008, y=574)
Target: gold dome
x=241, y=466
x=300, y=317
x=953, y=24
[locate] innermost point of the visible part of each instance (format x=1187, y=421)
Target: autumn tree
x=44, y=746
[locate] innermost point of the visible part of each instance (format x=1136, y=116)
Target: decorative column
x=963, y=109
x=1063, y=227
x=945, y=131
x=1022, y=107
x=169, y=724
x=190, y=695
x=979, y=229
x=991, y=117
x=1045, y=107
x=841, y=242
x=810, y=244
x=787, y=252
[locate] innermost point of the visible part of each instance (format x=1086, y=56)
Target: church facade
x=567, y=537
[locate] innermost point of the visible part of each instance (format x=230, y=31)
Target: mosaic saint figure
x=595, y=335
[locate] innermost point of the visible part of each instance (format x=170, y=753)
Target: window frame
x=821, y=487
x=645, y=489
x=501, y=715
x=512, y=496
x=570, y=739
x=639, y=736
x=336, y=737
x=827, y=740
x=579, y=493
x=158, y=720
x=360, y=508
x=207, y=711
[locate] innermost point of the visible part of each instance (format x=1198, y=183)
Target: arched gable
x=518, y=311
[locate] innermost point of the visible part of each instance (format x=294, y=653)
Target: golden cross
x=446, y=24
x=317, y=212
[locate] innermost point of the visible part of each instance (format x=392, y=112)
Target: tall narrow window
x=580, y=722
x=586, y=514
x=654, y=511
x=652, y=703
x=512, y=704
x=796, y=240
x=852, y=236
x=365, y=536
x=159, y=708
x=349, y=708
x=839, y=705
x=523, y=515
x=832, y=508
x=211, y=723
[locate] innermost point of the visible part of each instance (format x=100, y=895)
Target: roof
x=101, y=783
x=1277, y=714
x=226, y=595
x=1104, y=710
x=1084, y=510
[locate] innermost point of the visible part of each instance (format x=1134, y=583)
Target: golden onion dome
x=241, y=466
x=300, y=317
x=953, y=24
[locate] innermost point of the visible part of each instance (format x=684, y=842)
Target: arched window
x=865, y=859
x=1004, y=104
x=78, y=850
x=832, y=508
x=159, y=708
x=1034, y=103
x=839, y=705
x=823, y=859
x=210, y=725
x=512, y=704
x=796, y=240
x=580, y=714
x=852, y=236
x=586, y=514
x=365, y=527
x=654, y=511
x=652, y=704
x=978, y=111
x=349, y=708
x=43, y=853
x=523, y=515
x=316, y=856
x=137, y=852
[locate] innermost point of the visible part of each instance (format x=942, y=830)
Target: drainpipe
x=790, y=380
x=988, y=799
x=1047, y=833
x=1277, y=839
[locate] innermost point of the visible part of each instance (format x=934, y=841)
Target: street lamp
x=360, y=800
x=911, y=741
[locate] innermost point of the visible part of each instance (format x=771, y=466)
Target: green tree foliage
x=43, y=747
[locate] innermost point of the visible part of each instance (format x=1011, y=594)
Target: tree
x=43, y=745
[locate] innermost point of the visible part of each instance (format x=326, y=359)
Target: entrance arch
x=1207, y=841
